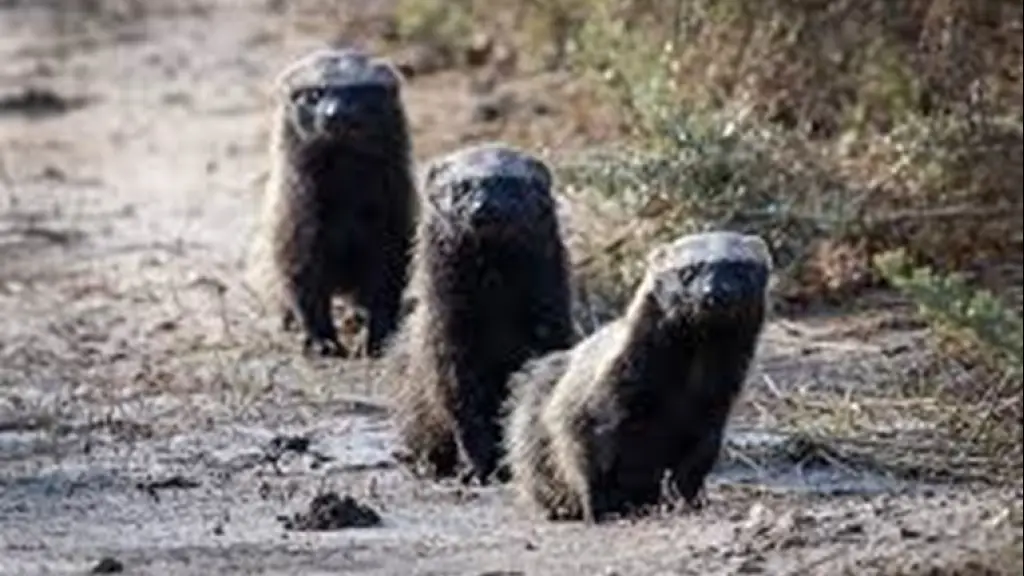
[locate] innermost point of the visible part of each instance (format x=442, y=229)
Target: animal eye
x=463, y=188
x=472, y=185
x=308, y=95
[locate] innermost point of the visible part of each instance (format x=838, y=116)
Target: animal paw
x=503, y=474
x=697, y=502
x=324, y=347
x=470, y=476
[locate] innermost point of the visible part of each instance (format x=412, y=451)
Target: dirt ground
x=150, y=414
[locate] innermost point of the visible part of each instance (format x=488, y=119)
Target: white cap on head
x=338, y=67
x=485, y=160
x=708, y=247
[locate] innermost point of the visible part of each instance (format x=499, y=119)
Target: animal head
x=340, y=95
x=713, y=275
x=492, y=190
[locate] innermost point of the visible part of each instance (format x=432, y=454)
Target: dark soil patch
x=108, y=565
x=328, y=511
x=39, y=102
x=283, y=444
x=151, y=487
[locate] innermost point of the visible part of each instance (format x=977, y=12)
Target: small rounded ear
x=283, y=79
x=656, y=257
x=278, y=91
x=544, y=174
x=390, y=76
x=758, y=245
x=667, y=289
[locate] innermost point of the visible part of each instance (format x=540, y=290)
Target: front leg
x=312, y=306
x=443, y=458
x=301, y=257
x=384, y=308
x=689, y=475
x=477, y=431
x=693, y=493
x=642, y=498
x=549, y=306
x=603, y=494
x=604, y=498
x=594, y=505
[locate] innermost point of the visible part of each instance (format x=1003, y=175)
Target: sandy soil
x=142, y=387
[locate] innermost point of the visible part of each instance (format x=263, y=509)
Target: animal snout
x=720, y=291
x=333, y=113
x=491, y=209
x=721, y=288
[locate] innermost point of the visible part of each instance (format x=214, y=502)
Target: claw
x=469, y=475
x=697, y=501
x=503, y=474
x=324, y=348
x=466, y=476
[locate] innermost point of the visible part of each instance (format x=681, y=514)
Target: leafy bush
x=816, y=124
x=426, y=20
x=959, y=309
x=974, y=327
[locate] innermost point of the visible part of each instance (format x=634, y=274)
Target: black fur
x=649, y=394
x=491, y=283
x=347, y=205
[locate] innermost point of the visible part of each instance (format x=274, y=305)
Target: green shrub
x=444, y=21
x=954, y=306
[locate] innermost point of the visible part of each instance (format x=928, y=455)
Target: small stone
x=329, y=511
x=505, y=59
x=753, y=565
x=54, y=173
x=909, y=533
x=421, y=60
x=757, y=519
x=851, y=529
x=540, y=108
x=492, y=109
x=108, y=565
x=479, y=50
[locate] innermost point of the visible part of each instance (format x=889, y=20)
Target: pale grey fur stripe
x=485, y=160
x=343, y=67
x=707, y=247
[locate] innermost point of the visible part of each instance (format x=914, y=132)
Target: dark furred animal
x=340, y=205
x=592, y=431
x=491, y=284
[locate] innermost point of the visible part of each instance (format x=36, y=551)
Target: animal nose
x=336, y=115
x=329, y=108
x=488, y=210
x=719, y=290
x=334, y=110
